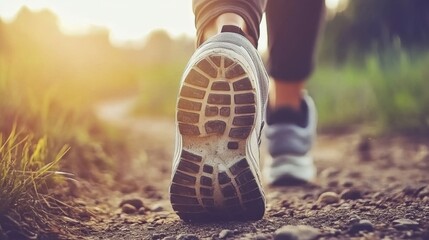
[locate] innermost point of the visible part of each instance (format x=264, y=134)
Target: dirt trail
x=377, y=189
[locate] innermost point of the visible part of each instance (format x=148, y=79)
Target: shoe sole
x=216, y=114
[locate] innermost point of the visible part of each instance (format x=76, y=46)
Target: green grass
x=400, y=83
x=43, y=110
x=343, y=96
x=38, y=117
x=27, y=169
x=389, y=89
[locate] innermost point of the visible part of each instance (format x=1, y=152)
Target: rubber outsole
x=216, y=114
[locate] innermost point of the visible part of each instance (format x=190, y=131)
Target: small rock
x=328, y=198
x=351, y=194
x=128, y=209
x=362, y=225
x=405, y=224
x=409, y=190
x=159, y=222
x=187, y=237
x=354, y=219
x=157, y=208
x=142, y=211
x=424, y=192
x=314, y=207
x=136, y=202
x=278, y=214
x=300, y=232
x=225, y=233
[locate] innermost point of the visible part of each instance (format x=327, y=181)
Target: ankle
x=215, y=26
x=289, y=116
x=286, y=95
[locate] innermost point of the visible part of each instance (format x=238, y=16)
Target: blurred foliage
x=400, y=85
x=50, y=82
x=373, y=66
x=44, y=92
x=368, y=26
x=389, y=90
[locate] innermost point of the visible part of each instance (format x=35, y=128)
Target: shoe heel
x=216, y=114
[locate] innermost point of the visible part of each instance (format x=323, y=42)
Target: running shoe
x=219, y=117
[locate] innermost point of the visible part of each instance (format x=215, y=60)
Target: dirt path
x=372, y=188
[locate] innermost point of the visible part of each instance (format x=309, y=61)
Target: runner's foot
x=219, y=119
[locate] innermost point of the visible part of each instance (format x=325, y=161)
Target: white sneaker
x=289, y=146
x=219, y=117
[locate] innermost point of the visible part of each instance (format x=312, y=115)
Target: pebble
x=187, y=237
x=424, y=192
x=362, y=225
x=157, y=208
x=136, y=202
x=300, y=232
x=142, y=211
x=351, y=194
x=225, y=233
x=328, y=198
x=409, y=190
x=128, y=208
x=278, y=214
x=354, y=219
x=405, y=224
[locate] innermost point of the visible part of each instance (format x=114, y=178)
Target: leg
x=293, y=27
x=211, y=15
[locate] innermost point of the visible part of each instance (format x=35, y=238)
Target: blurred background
x=59, y=59
x=62, y=63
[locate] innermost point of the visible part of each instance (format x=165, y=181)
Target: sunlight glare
x=129, y=20
x=332, y=4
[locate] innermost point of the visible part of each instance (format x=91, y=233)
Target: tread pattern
x=217, y=100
